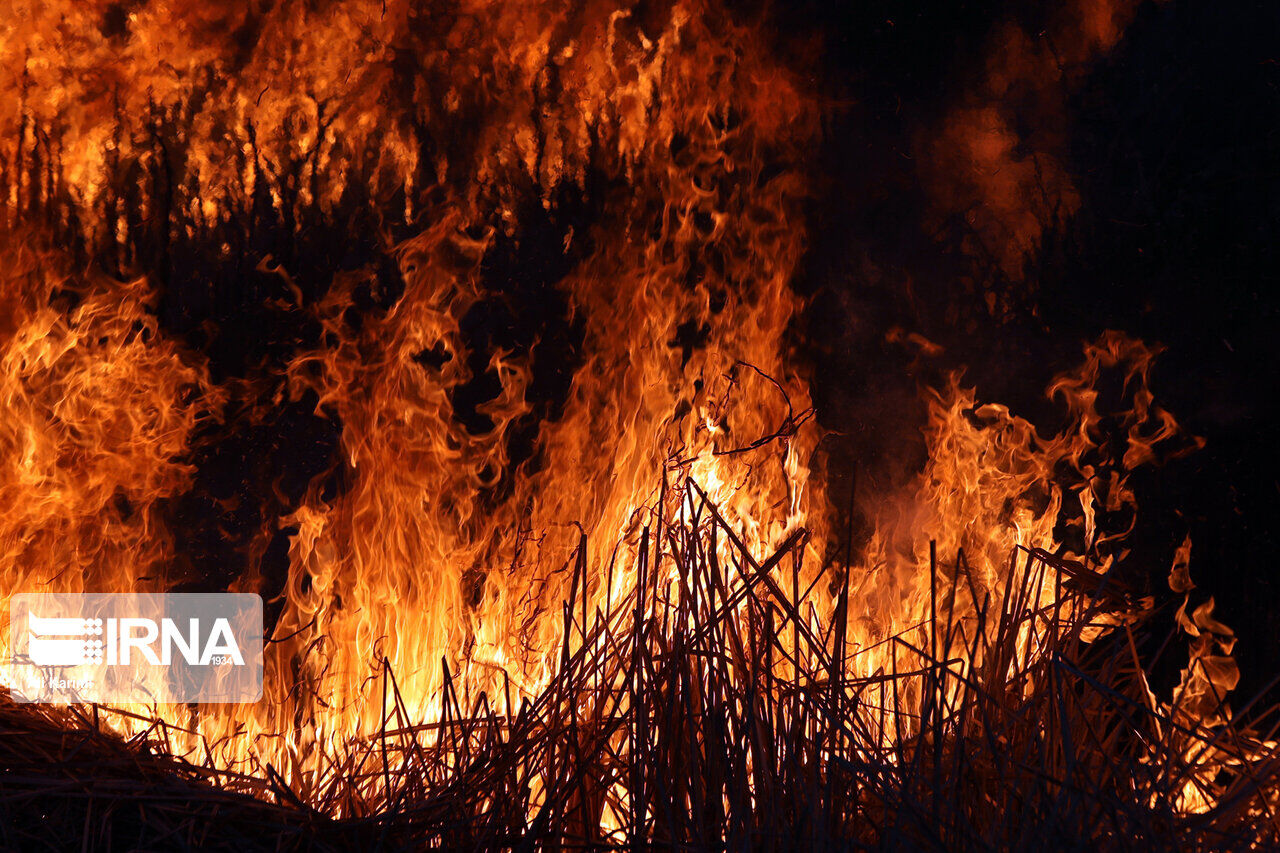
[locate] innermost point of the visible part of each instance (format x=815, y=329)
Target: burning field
x=490, y=344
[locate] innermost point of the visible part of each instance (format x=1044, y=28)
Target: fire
x=97, y=408
x=440, y=560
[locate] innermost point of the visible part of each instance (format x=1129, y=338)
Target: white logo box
x=124, y=648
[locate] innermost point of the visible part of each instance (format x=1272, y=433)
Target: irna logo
x=62, y=641
x=181, y=647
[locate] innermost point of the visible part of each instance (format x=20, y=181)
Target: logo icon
x=58, y=641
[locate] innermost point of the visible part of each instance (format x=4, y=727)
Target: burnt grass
x=670, y=710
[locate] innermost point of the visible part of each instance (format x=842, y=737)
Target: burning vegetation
x=465, y=335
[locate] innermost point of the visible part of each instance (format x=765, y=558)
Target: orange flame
x=693, y=138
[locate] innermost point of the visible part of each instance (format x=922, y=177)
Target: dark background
x=1174, y=146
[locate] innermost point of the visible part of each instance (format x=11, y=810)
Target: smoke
x=995, y=166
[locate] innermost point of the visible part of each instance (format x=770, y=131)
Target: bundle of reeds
x=710, y=712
